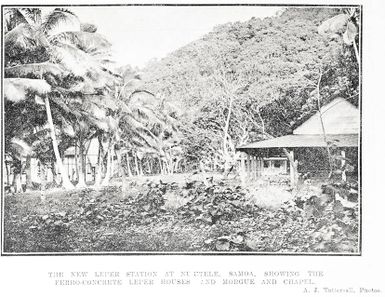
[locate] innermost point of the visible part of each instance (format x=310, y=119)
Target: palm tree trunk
x=140, y=167
x=112, y=164
x=129, y=172
x=160, y=165
x=28, y=174
x=293, y=167
x=357, y=54
x=66, y=182
x=43, y=181
x=82, y=176
x=120, y=163
x=177, y=163
x=226, y=134
x=16, y=183
x=151, y=165
x=7, y=172
x=169, y=166
x=54, y=174
x=98, y=178
x=136, y=165
x=76, y=162
x=106, y=179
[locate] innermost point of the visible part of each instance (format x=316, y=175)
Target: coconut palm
x=148, y=131
x=23, y=120
x=41, y=52
x=345, y=25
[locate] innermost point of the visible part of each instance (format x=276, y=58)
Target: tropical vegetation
x=176, y=117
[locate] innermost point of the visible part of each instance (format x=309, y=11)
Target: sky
x=139, y=34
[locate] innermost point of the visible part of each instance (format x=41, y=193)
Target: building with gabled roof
x=307, y=145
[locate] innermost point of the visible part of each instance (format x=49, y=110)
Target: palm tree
x=344, y=25
x=42, y=52
x=126, y=127
x=147, y=129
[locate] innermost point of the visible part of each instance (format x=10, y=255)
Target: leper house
x=307, y=145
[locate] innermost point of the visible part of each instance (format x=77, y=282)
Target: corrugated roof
x=305, y=140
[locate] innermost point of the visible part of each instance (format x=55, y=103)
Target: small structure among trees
x=327, y=143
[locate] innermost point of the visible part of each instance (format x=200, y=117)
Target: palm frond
x=30, y=16
x=20, y=148
x=143, y=141
x=36, y=70
x=107, y=61
x=139, y=91
x=144, y=113
x=75, y=89
x=15, y=16
x=16, y=89
x=86, y=27
x=135, y=129
x=81, y=64
x=94, y=110
x=73, y=59
x=60, y=20
x=103, y=101
x=141, y=115
x=85, y=41
x=102, y=125
x=39, y=100
x=20, y=36
x=129, y=123
x=112, y=123
x=34, y=15
x=66, y=127
x=334, y=25
x=99, y=79
x=61, y=104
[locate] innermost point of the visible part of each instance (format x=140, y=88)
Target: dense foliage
x=253, y=78
x=241, y=82
x=62, y=91
x=180, y=216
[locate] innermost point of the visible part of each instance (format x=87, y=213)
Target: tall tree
x=247, y=80
x=42, y=52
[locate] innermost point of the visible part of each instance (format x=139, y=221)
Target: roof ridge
x=332, y=103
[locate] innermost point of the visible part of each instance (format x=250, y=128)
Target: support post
x=251, y=167
x=258, y=167
x=292, y=169
x=248, y=167
x=343, y=165
x=242, y=171
x=242, y=159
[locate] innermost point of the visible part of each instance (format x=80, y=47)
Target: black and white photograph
x=182, y=129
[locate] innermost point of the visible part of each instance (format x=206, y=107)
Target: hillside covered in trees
x=245, y=80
